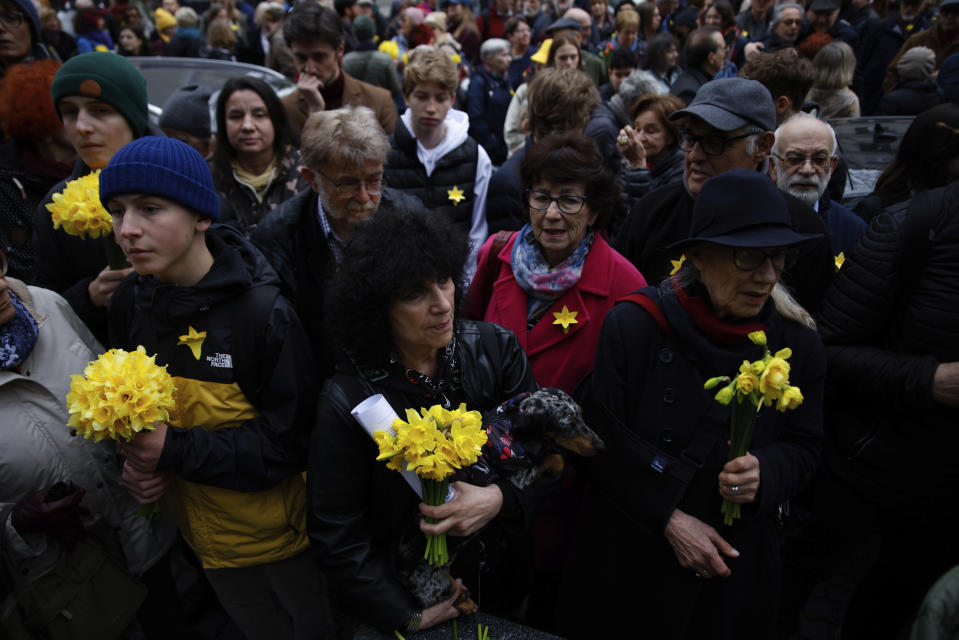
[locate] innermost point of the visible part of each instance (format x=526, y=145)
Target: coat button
x=666, y=436
x=666, y=355
x=669, y=395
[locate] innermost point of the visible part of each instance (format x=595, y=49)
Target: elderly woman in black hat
x=653, y=512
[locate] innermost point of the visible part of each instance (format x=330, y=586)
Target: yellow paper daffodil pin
x=677, y=264
x=565, y=318
x=193, y=339
x=840, y=260
x=456, y=195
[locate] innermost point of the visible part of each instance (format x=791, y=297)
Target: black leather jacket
x=358, y=507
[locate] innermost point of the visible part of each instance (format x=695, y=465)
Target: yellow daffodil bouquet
x=78, y=211
x=434, y=443
x=758, y=384
x=120, y=394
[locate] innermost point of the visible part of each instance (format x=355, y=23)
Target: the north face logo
x=220, y=361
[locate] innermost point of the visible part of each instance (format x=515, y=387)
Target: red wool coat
x=558, y=359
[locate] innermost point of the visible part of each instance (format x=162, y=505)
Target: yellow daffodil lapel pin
x=565, y=318
x=677, y=264
x=193, y=339
x=840, y=260
x=456, y=195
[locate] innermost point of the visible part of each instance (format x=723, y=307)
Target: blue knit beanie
x=162, y=167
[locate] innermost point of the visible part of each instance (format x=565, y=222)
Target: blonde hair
x=430, y=65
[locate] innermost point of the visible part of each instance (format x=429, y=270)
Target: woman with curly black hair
x=393, y=309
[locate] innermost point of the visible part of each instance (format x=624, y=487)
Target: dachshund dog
x=526, y=435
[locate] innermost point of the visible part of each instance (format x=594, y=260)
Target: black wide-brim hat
x=744, y=209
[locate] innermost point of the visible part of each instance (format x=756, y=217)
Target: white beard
x=787, y=182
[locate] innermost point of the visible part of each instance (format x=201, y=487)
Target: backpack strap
x=647, y=303
x=249, y=330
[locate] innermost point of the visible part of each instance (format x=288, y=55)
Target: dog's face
x=556, y=415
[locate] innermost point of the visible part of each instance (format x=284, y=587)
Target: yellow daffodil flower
x=758, y=337
x=77, y=208
x=120, y=394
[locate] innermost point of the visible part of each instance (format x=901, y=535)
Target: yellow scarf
x=259, y=183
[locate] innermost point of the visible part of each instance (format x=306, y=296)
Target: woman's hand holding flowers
x=468, y=512
x=742, y=472
x=698, y=546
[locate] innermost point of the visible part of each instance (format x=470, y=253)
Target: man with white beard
x=803, y=159
x=304, y=238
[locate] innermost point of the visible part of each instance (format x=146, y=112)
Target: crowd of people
x=465, y=202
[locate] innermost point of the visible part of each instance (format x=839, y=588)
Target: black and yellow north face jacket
x=236, y=450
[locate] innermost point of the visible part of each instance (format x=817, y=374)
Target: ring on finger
x=734, y=489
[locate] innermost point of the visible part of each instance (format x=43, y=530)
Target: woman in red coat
x=554, y=280
x=551, y=284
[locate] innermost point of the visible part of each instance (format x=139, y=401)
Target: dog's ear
x=529, y=427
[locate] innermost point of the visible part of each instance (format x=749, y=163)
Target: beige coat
x=37, y=449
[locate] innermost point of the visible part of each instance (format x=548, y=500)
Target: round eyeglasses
x=568, y=203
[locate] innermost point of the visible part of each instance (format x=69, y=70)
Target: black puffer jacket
x=358, y=507
x=888, y=321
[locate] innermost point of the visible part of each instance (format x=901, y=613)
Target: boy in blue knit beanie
x=229, y=462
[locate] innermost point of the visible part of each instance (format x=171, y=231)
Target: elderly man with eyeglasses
x=728, y=125
x=803, y=160
x=20, y=34
x=304, y=238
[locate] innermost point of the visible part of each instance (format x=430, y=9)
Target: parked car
x=164, y=75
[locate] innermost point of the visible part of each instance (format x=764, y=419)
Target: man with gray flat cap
x=728, y=125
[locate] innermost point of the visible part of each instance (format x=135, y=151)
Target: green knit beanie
x=108, y=77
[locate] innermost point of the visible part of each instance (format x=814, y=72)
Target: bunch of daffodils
x=78, y=210
x=433, y=443
x=120, y=394
x=763, y=383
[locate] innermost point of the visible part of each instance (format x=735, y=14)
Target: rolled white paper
x=376, y=414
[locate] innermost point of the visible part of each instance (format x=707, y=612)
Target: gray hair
x=754, y=134
x=638, y=84
x=778, y=13
x=350, y=135
x=785, y=304
x=803, y=116
x=493, y=46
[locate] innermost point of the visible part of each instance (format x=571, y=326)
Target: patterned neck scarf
x=17, y=337
x=544, y=285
